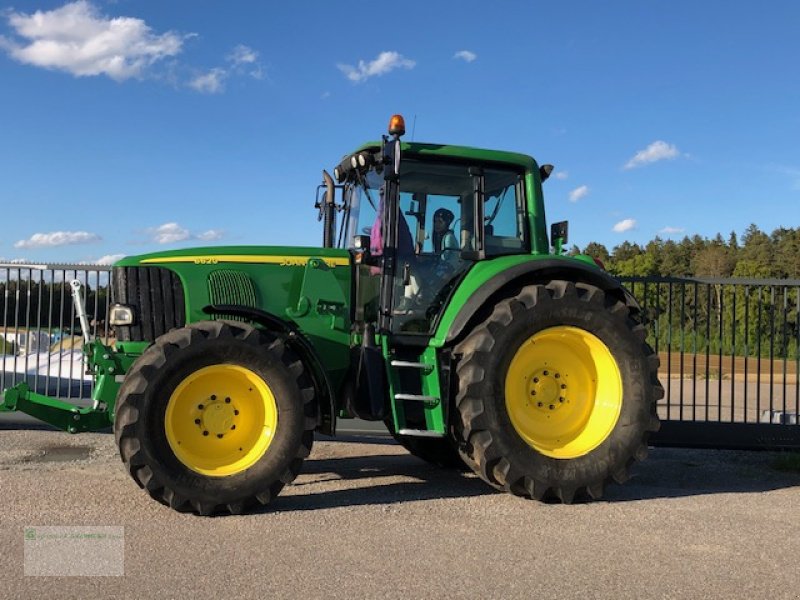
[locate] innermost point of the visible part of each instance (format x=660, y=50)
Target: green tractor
x=436, y=305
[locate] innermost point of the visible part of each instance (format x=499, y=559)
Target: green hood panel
x=309, y=287
x=254, y=255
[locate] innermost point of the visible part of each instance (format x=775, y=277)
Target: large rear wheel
x=215, y=417
x=557, y=392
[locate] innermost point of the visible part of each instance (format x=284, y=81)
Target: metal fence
x=40, y=337
x=730, y=358
x=729, y=348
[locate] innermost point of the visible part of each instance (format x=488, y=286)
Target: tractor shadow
x=667, y=473
x=421, y=481
x=683, y=472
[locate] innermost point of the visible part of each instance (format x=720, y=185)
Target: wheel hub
x=218, y=417
x=547, y=390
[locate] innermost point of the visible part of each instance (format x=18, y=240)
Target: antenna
x=413, y=127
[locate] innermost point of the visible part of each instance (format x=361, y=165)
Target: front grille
x=156, y=296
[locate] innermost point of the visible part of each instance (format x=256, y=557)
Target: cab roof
x=423, y=149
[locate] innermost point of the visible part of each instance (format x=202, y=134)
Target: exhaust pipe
x=329, y=224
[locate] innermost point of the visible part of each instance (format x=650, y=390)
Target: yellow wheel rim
x=221, y=419
x=563, y=392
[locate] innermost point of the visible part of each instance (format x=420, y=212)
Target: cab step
x=412, y=365
x=416, y=397
x=421, y=433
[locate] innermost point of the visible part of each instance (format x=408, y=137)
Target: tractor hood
x=229, y=255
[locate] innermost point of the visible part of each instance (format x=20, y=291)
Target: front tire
x=215, y=417
x=557, y=392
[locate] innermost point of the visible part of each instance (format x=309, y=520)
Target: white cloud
x=578, y=193
x=465, y=55
x=58, y=238
x=77, y=39
x=672, y=230
x=244, y=60
x=210, y=235
x=169, y=233
x=562, y=175
x=658, y=150
x=243, y=55
x=212, y=82
x=624, y=225
x=109, y=259
x=385, y=62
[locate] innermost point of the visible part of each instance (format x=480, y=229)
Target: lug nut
x=535, y=380
x=545, y=373
x=233, y=427
x=219, y=435
x=205, y=433
x=236, y=412
x=563, y=386
x=200, y=407
x=197, y=421
x=561, y=399
x=539, y=404
x=227, y=400
x=557, y=375
x=213, y=396
x=533, y=392
x=552, y=406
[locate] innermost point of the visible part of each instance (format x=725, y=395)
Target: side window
x=504, y=213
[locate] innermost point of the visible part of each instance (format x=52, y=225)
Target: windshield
x=363, y=199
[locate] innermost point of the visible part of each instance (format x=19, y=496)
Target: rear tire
x=215, y=418
x=557, y=392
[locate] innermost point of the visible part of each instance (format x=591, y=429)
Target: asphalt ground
x=367, y=520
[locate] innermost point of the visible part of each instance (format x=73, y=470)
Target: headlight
x=120, y=315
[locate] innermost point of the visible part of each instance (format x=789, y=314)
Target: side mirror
x=558, y=235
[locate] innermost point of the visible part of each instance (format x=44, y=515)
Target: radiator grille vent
x=231, y=287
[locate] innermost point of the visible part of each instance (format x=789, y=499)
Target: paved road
x=366, y=520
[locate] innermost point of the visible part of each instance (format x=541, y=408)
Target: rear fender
x=511, y=280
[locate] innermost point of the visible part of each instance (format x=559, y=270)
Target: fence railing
x=730, y=359
x=729, y=348
x=40, y=337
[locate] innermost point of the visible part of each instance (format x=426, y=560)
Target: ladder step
x=421, y=433
x=411, y=365
x=416, y=397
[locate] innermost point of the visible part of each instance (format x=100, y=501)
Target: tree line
x=743, y=319
x=756, y=255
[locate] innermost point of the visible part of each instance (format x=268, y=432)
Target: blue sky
x=130, y=126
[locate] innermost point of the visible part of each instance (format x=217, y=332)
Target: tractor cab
x=420, y=216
